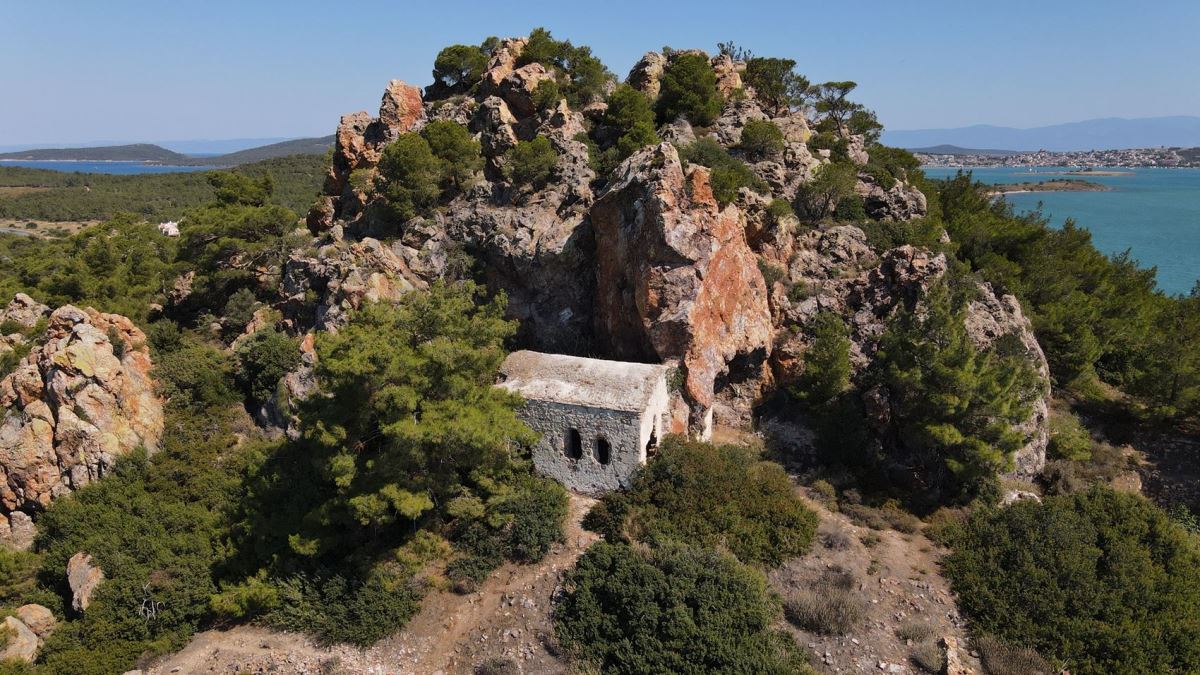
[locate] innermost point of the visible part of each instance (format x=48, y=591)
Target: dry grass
x=917, y=631
x=831, y=606
x=886, y=518
x=929, y=657
x=1003, y=658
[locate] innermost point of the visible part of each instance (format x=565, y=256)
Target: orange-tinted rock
x=675, y=277
x=81, y=398
x=401, y=107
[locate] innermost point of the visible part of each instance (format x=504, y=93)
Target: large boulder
x=646, y=74
x=39, y=619
x=901, y=201
x=675, y=276
x=80, y=399
x=21, y=643
x=82, y=577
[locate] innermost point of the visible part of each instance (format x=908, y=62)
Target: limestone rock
x=24, y=311
x=342, y=276
x=502, y=63
x=496, y=126
x=79, y=400
x=954, y=658
x=729, y=78
x=646, y=73
x=857, y=150
x=675, y=276
x=39, y=619
x=83, y=577
x=727, y=129
x=900, y=202
x=518, y=87
x=22, y=644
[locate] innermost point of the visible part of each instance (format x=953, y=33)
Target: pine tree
x=953, y=406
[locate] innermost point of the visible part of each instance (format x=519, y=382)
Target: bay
x=118, y=168
x=1154, y=213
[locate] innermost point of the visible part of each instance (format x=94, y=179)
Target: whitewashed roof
x=613, y=385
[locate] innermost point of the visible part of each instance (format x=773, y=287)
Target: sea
x=119, y=168
x=1154, y=213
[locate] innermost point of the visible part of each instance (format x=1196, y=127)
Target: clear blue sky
x=118, y=70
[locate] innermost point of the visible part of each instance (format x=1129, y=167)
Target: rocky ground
x=899, y=585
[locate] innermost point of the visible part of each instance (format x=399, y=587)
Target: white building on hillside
x=599, y=420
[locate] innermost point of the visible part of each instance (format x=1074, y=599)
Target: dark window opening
x=574, y=444
x=603, y=450
x=652, y=444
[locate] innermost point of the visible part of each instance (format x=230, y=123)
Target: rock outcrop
x=79, y=400
x=675, y=276
x=21, y=643
x=83, y=577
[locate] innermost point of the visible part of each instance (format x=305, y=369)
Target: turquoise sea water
x=1155, y=213
x=121, y=168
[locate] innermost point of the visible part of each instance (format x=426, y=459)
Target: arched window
x=603, y=450
x=574, y=444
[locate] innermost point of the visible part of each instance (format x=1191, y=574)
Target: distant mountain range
x=1112, y=133
x=147, y=152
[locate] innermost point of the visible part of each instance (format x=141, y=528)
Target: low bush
x=727, y=174
x=673, y=610
x=263, y=360
x=1068, y=437
x=1100, y=580
x=917, y=631
x=336, y=609
x=707, y=495
x=530, y=163
x=929, y=657
x=830, y=606
x=761, y=139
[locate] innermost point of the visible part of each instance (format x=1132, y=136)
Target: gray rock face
x=83, y=577
x=22, y=644
x=24, y=311
x=901, y=202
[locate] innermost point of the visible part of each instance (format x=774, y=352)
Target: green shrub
x=1068, y=438
x=676, y=610
x=197, y=375
x=727, y=174
x=832, y=183
x=239, y=310
x=530, y=163
x=706, y=495
x=631, y=116
x=826, y=361
x=851, y=209
x=547, y=95
x=262, y=360
x=761, y=139
x=779, y=211
x=459, y=152
x=832, y=605
x=688, y=89
x=246, y=600
x=1100, y=580
x=409, y=176
x=335, y=609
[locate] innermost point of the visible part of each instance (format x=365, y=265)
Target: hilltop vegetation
x=61, y=196
x=335, y=449
x=139, y=152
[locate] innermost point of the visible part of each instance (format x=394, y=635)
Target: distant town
x=1134, y=157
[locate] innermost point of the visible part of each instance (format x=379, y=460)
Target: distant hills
x=147, y=152
x=1111, y=133
x=138, y=152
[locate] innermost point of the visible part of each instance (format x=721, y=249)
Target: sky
x=124, y=71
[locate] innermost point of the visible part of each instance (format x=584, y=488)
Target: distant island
x=1060, y=185
x=156, y=154
x=1083, y=159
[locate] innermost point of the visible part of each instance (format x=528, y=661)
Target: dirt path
x=507, y=617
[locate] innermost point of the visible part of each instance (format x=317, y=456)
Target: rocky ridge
x=644, y=265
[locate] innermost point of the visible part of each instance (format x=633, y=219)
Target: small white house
x=599, y=420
